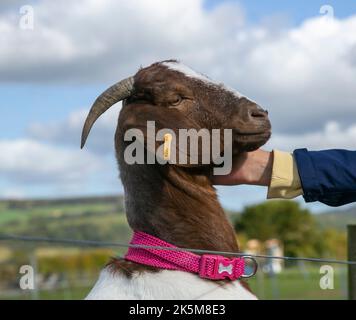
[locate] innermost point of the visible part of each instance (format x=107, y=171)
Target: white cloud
x=304, y=75
x=68, y=131
x=332, y=136
x=95, y=40
x=28, y=161
x=13, y=193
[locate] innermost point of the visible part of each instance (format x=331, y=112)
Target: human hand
x=254, y=168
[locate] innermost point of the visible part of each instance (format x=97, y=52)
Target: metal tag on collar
x=249, y=261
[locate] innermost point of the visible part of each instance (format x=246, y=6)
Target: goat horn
x=114, y=94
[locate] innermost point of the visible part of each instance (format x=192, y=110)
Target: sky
x=295, y=58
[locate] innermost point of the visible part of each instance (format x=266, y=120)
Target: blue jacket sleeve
x=327, y=176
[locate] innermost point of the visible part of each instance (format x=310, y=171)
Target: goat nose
x=258, y=113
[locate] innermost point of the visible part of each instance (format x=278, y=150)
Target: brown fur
x=178, y=203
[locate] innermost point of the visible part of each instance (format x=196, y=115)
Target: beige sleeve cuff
x=285, y=181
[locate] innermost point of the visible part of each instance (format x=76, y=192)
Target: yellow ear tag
x=167, y=146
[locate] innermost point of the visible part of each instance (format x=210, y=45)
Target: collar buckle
x=216, y=267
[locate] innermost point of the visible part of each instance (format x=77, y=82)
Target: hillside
x=338, y=219
x=95, y=218
x=99, y=218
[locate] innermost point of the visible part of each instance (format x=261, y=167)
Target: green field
x=296, y=285
x=290, y=284
x=82, y=219
x=103, y=219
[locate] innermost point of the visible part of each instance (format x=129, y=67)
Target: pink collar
x=208, y=266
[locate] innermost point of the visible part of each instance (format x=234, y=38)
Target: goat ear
x=156, y=125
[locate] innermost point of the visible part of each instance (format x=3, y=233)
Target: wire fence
x=298, y=281
x=106, y=244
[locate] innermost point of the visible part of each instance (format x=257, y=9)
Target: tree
x=286, y=221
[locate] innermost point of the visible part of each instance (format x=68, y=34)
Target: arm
x=285, y=182
x=327, y=176
x=276, y=170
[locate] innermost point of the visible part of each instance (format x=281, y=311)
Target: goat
x=176, y=203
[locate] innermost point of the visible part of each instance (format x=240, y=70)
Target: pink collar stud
x=214, y=267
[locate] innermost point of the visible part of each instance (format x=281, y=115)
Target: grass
x=291, y=284
x=296, y=285
x=74, y=293
x=95, y=221
x=22, y=215
x=105, y=221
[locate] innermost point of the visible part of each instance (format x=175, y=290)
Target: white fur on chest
x=164, y=285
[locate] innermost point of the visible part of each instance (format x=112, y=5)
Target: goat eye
x=177, y=101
